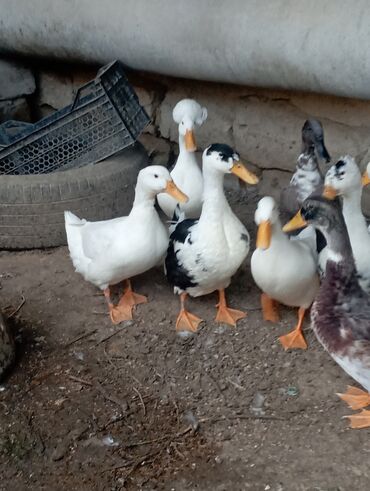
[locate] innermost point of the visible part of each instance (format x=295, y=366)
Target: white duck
x=344, y=179
x=108, y=252
x=186, y=172
x=204, y=254
x=284, y=268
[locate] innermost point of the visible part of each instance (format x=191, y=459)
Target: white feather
x=107, y=252
x=287, y=270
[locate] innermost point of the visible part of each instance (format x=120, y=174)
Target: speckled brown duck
x=340, y=314
x=7, y=349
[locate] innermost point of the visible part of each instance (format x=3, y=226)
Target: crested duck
x=110, y=251
x=284, y=268
x=186, y=173
x=344, y=179
x=340, y=314
x=204, y=254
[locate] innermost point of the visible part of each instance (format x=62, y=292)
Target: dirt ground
x=90, y=406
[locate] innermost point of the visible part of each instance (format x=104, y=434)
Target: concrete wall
x=263, y=125
x=317, y=45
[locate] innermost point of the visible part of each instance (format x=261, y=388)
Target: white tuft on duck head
x=266, y=211
x=187, y=113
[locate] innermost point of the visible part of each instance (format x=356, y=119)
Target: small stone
x=257, y=404
x=79, y=355
x=292, y=391
x=109, y=441
x=191, y=419
x=185, y=334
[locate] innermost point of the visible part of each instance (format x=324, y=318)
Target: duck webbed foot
x=360, y=420
x=269, y=308
x=117, y=313
x=130, y=298
x=225, y=314
x=185, y=320
x=355, y=398
x=295, y=339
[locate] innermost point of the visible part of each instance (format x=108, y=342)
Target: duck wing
x=98, y=237
x=352, y=306
x=176, y=273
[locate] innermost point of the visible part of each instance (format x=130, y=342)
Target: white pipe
x=316, y=45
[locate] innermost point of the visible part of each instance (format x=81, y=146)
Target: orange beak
x=264, y=235
x=296, y=222
x=243, y=173
x=190, y=144
x=175, y=192
x=365, y=178
x=329, y=192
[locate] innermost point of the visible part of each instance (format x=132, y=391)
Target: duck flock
x=312, y=248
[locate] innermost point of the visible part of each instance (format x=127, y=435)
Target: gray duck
x=340, y=314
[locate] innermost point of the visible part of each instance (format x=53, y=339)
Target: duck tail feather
x=71, y=219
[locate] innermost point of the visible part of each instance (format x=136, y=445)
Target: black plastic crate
x=104, y=118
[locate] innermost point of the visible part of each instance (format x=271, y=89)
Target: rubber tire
x=31, y=207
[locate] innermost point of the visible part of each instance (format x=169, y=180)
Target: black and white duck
x=307, y=178
x=344, y=179
x=204, y=254
x=340, y=314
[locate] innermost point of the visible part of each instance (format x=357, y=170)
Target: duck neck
x=355, y=220
x=340, y=256
x=182, y=148
x=277, y=234
x=143, y=198
x=307, y=161
x=214, y=200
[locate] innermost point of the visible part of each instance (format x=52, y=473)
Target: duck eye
x=156, y=176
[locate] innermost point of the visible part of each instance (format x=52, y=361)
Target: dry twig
x=80, y=380
x=81, y=336
x=141, y=400
x=23, y=301
x=161, y=438
x=108, y=397
x=110, y=336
